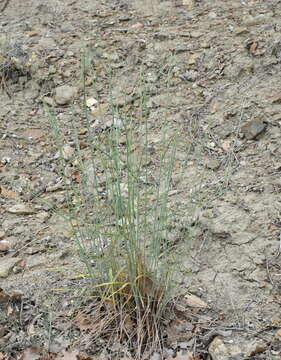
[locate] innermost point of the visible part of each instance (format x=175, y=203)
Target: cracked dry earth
x=225, y=103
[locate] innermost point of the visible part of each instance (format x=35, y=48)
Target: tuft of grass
x=118, y=207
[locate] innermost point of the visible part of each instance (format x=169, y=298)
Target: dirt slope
x=224, y=97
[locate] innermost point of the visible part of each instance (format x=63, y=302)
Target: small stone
x=183, y=345
x=36, y=261
x=125, y=18
x=241, y=31
x=65, y=28
x=52, y=70
x=83, y=131
x=256, y=20
x=196, y=34
x=64, y=94
x=213, y=164
x=6, y=266
x=235, y=348
x=32, y=33
x=188, y=3
x=67, y=152
x=2, y=234
x=181, y=48
x=49, y=101
x=155, y=356
x=100, y=110
x=137, y=26
x=161, y=36
x=212, y=15
x=253, y=128
x=189, y=75
x=21, y=209
x=4, y=245
x=194, y=301
x=193, y=59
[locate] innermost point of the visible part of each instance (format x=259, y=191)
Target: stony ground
x=224, y=100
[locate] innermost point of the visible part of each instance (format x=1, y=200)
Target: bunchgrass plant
x=119, y=210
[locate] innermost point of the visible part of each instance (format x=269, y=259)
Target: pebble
x=213, y=164
x=196, y=34
x=67, y=152
x=64, y=94
x=6, y=266
x=235, y=348
x=189, y=76
x=241, y=31
x=253, y=128
x=4, y=245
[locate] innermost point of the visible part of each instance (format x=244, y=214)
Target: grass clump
x=118, y=207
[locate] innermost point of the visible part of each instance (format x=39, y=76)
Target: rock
x=256, y=20
x=188, y=3
x=161, y=36
x=193, y=59
x=155, y=356
x=137, y=26
x=36, y=261
x=4, y=245
x=189, y=75
x=194, y=301
x=64, y=94
x=6, y=266
x=184, y=355
x=196, y=34
x=241, y=31
x=253, y=128
x=67, y=152
x=49, y=101
x=21, y=209
x=235, y=348
x=213, y=164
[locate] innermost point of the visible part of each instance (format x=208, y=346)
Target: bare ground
x=224, y=99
